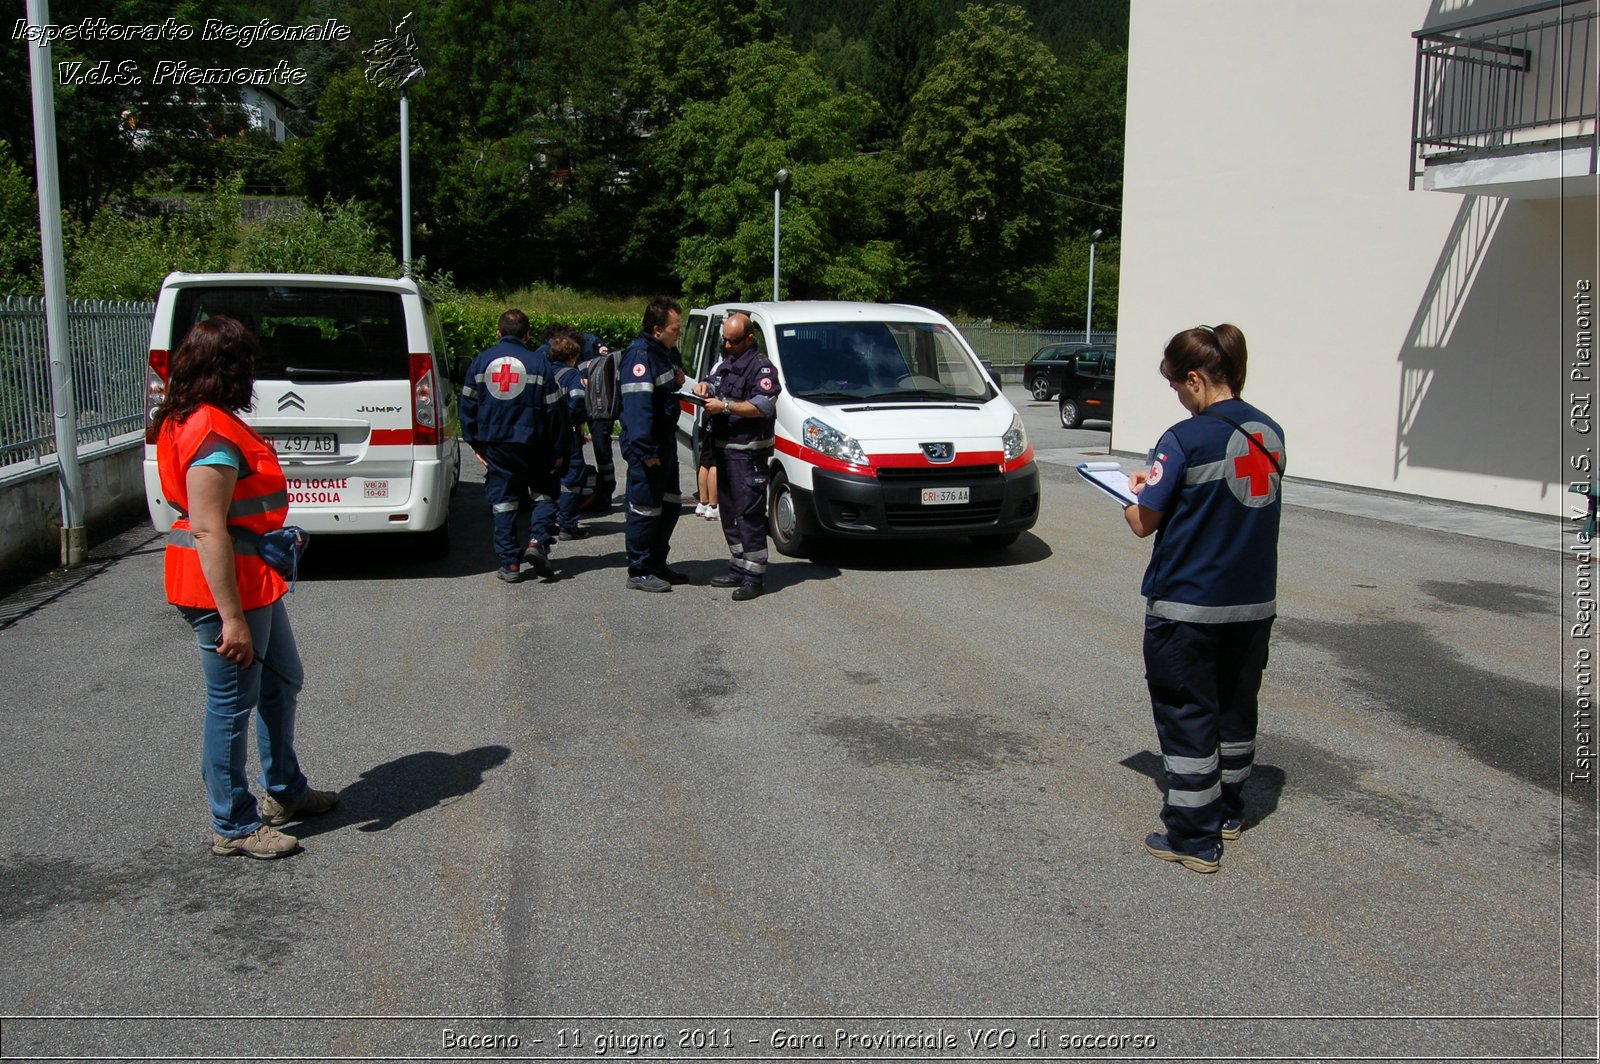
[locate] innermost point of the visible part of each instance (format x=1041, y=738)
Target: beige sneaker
x=264, y=843
x=276, y=814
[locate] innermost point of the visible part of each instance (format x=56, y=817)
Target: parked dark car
x=1086, y=387
x=1044, y=372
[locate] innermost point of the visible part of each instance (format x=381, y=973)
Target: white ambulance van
x=351, y=391
x=888, y=426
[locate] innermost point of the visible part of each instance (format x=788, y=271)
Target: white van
x=888, y=425
x=351, y=391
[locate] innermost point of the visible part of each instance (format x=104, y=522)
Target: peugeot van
x=888, y=426
x=350, y=390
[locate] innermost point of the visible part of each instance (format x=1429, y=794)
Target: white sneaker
x=699, y=509
x=713, y=513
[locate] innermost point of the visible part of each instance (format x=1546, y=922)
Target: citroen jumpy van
x=888, y=425
x=351, y=391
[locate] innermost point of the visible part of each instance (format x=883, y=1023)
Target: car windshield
x=310, y=333
x=846, y=362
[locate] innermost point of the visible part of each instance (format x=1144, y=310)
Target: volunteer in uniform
x=514, y=417
x=564, y=347
x=228, y=488
x=1212, y=499
x=740, y=396
x=649, y=375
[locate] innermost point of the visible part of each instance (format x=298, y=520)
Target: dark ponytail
x=1217, y=353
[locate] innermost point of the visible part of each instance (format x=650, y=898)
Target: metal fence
x=1013, y=347
x=108, y=343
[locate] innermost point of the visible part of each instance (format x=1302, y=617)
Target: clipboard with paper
x=1109, y=478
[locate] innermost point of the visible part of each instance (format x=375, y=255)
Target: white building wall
x=1408, y=341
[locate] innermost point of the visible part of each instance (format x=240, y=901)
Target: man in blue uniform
x=513, y=418
x=649, y=375
x=1212, y=499
x=565, y=344
x=741, y=393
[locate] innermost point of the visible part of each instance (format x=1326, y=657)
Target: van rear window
x=309, y=334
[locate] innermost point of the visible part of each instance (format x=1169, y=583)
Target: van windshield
x=846, y=362
x=308, y=334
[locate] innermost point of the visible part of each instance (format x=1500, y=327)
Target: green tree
x=1058, y=290
x=20, y=263
x=837, y=210
x=900, y=44
x=981, y=156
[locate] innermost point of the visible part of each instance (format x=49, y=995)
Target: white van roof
x=795, y=311
x=302, y=280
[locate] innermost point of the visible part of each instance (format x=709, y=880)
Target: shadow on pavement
x=395, y=790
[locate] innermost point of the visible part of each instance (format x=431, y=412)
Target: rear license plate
x=306, y=443
x=946, y=496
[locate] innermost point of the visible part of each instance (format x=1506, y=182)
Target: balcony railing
x=1521, y=80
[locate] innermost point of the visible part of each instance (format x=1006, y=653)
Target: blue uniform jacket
x=511, y=396
x=1215, y=558
x=647, y=380
x=748, y=378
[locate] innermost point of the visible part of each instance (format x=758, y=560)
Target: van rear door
x=334, y=387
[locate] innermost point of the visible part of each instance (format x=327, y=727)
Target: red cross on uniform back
x=1255, y=467
x=505, y=377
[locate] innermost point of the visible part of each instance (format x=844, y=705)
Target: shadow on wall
x=1482, y=363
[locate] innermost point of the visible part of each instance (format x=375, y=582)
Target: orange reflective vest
x=260, y=503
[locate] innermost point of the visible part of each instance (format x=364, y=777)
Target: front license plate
x=306, y=443
x=946, y=496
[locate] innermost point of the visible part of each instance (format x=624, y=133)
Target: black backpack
x=600, y=386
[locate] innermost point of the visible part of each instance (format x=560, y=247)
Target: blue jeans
x=269, y=687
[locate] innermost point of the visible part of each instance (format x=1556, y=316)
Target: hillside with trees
x=944, y=152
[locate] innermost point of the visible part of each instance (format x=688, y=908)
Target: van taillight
x=424, y=402
x=155, y=391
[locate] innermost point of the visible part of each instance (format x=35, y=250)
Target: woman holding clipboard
x=1212, y=500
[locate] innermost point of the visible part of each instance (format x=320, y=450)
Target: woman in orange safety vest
x=228, y=488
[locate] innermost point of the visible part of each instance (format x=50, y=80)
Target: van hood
x=915, y=423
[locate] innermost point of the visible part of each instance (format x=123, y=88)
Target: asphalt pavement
x=891, y=810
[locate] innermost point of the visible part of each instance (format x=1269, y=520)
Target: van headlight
x=1015, y=441
x=825, y=439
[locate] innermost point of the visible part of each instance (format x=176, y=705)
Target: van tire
x=784, y=519
x=434, y=544
x=1071, y=413
x=995, y=541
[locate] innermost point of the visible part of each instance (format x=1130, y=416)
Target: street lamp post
x=1088, y=324
x=392, y=62
x=405, y=173
x=777, y=217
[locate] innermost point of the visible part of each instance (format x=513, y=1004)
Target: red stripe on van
x=390, y=437
x=898, y=461
x=820, y=460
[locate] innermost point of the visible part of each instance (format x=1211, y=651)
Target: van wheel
x=997, y=541
x=785, y=522
x=434, y=544
x=1071, y=413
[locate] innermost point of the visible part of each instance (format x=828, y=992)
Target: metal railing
x=1013, y=347
x=108, y=343
x=1505, y=83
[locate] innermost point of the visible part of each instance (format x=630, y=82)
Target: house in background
x=1396, y=201
x=265, y=109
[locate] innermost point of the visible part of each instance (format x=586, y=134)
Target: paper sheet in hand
x=1109, y=478
x=697, y=400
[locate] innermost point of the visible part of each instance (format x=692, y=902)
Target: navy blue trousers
x=654, y=503
x=518, y=474
x=742, y=503
x=1204, y=681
